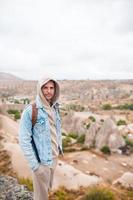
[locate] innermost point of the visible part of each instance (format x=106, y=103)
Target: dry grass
x=5, y=161
x=114, y=192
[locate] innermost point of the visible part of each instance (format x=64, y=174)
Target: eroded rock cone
x=109, y=135
x=91, y=135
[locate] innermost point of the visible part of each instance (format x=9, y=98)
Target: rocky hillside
x=11, y=85
x=79, y=91
x=5, y=77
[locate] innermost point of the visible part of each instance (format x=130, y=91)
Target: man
x=46, y=135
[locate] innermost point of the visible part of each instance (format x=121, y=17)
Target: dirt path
x=109, y=169
x=19, y=163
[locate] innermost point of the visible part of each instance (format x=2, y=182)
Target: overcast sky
x=70, y=39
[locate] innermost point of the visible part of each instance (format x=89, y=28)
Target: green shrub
x=121, y=122
x=64, y=134
x=106, y=107
x=73, y=135
x=81, y=139
x=92, y=118
x=26, y=101
x=12, y=111
x=16, y=113
x=17, y=116
x=61, y=195
x=64, y=194
x=27, y=182
x=99, y=194
x=125, y=106
x=88, y=126
x=16, y=101
x=128, y=141
x=106, y=150
x=75, y=107
x=66, y=141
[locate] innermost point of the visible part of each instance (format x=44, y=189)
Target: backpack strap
x=34, y=118
x=34, y=114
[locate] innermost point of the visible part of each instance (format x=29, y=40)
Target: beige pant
x=42, y=181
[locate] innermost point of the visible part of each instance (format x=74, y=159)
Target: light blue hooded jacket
x=41, y=130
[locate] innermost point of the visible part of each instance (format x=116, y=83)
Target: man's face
x=48, y=90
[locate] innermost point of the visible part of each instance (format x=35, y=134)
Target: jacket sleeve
x=25, y=138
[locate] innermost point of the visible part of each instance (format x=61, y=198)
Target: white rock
x=71, y=178
x=126, y=180
x=124, y=164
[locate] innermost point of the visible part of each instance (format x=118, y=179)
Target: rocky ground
x=11, y=190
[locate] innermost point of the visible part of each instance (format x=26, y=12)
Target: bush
x=92, y=118
x=16, y=113
x=64, y=194
x=125, y=106
x=27, y=182
x=16, y=101
x=66, y=141
x=81, y=139
x=12, y=111
x=121, y=122
x=75, y=107
x=88, y=126
x=99, y=194
x=26, y=101
x=106, y=150
x=17, y=116
x=73, y=135
x=106, y=107
x=128, y=141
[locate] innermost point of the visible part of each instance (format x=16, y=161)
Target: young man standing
x=46, y=134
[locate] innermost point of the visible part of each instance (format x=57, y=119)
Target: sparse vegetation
x=65, y=194
x=128, y=141
x=121, y=122
x=73, y=135
x=92, y=118
x=26, y=101
x=16, y=114
x=27, y=182
x=93, y=193
x=66, y=142
x=99, y=194
x=127, y=106
x=106, y=150
x=106, y=107
x=81, y=139
x=75, y=107
x=16, y=101
x=88, y=126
